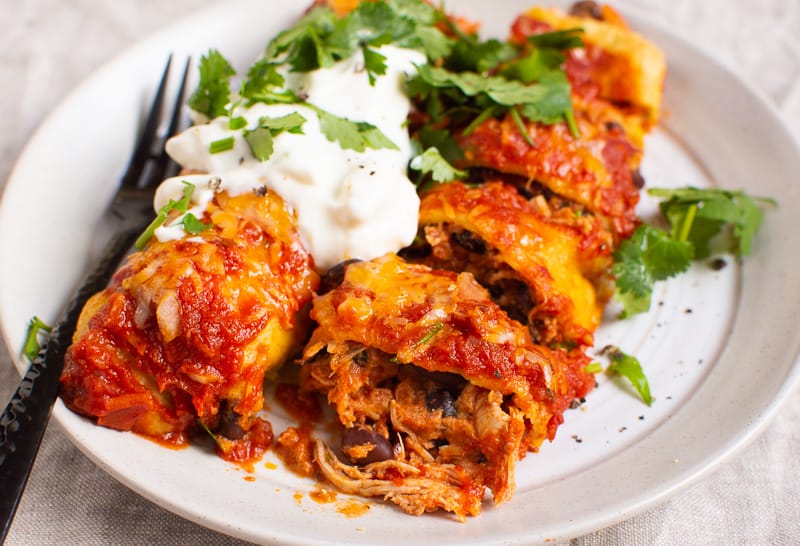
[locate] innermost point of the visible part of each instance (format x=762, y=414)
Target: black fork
x=26, y=415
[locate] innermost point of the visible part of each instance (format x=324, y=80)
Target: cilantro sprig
x=650, y=255
x=213, y=91
x=484, y=79
x=701, y=221
x=728, y=219
x=321, y=38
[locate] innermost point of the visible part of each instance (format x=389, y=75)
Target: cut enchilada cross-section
x=438, y=392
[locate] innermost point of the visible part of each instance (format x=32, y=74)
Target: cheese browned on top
x=512, y=241
x=188, y=328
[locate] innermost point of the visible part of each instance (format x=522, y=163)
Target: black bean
x=441, y=399
x=334, y=277
x=361, y=358
x=468, y=241
x=718, y=264
x=381, y=448
x=452, y=382
x=638, y=179
x=586, y=8
x=228, y=424
x=418, y=250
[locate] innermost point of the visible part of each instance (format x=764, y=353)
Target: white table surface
x=48, y=46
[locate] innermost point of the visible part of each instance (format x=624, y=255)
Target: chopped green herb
x=263, y=82
x=221, y=145
x=650, y=255
x=213, y=436
x=237, y=123
x=521, y=127
x=435, y=329
x=702, y=221
x=181, y=205
x=302, y=46
x=712, y=219
x=470, y=54
x=213, y=92
x=32, y=346
x=630, y=368
x=559, y=40
x=192, y=225
x=260, y=142
x=292, y=123
x=442, y=140
x=352, y=135
x=374, y=63
x=482, y=79
x=547, y=100
x=594, y=367
x=260, y=138
x=431, y=162
x=321, y=38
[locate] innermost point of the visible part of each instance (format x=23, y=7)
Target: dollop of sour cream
x=348, y=204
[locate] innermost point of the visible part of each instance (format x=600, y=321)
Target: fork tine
x=162, y=162
x=145, y=143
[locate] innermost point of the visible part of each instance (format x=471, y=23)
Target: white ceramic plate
x=720, y=347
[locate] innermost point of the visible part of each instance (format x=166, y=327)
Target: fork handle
x=23, y=422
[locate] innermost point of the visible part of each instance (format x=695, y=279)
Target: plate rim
x=750, y=433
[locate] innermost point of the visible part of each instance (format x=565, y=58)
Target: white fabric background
x=48, y=46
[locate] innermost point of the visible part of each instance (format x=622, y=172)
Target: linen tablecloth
x=48, y=46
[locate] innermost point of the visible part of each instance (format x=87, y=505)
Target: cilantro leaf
x=374, y=64
x=701, y=221
x=630, y=368
x=193, y=225
x=535, y=65
x=650, y=255
x=472, y=55
x=260, y=138
x=403, y=23
x=418, y=10
x=560, y=40
x=303, y=47
x=546, y=101
x=32, y=346
x=706, y=216
x=321, y=38
x=262, y=78
x=352, y=135
x=373, y=24
x=431, y=162
x=260, y=142
x=443, y=141
x=213, y=92
x=431, y=41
